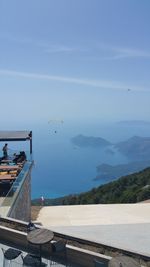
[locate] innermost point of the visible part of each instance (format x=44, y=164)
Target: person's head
x=6, y=144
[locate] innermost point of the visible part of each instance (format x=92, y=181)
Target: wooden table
x=9, y=167
x=40, y=237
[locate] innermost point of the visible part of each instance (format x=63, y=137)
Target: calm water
x=62, y=168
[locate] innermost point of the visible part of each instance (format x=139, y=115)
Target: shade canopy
x=16, y=136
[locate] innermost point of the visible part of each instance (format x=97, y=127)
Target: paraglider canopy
x=55, y=121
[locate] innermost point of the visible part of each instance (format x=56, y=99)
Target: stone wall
x=21, y=208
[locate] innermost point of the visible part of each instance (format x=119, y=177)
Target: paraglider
x=56, y=121
x=55, y=124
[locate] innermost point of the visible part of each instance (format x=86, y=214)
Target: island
x=89, y=141
x=134, y=123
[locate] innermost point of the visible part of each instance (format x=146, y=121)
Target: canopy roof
x=15, y=135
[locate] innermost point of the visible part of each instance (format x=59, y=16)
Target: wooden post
x=30, y=135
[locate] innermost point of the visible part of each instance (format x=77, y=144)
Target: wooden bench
x=7, y=177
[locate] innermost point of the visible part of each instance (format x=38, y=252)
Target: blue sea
x=61, y=168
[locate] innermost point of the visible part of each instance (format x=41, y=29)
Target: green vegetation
x=128, y=189
x=109, y=172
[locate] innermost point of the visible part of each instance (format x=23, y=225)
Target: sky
x=74, y=59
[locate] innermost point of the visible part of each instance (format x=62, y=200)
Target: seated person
x=20, y=158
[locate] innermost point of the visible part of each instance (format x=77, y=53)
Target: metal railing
x=12, y=194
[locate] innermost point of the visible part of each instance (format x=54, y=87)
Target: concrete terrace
x=123, y=226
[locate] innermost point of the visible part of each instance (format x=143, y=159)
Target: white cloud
x=116, y=52
x=121, y=53
x=46, y=46
x=79, y=81
x=96, y=51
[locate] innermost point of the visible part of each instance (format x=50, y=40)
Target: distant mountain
x=135, y=148
x=128, y=189
x=89, y=141
x=109, y=172
x=134, y=123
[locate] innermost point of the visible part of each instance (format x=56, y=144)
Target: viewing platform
x=15, y=172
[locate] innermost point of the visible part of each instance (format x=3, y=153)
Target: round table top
x=123, y=261
x=40, y=236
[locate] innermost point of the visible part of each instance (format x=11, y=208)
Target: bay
x=62, y=168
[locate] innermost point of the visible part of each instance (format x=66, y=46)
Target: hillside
x=128, y=189
x=135, y=148
x=109, y=172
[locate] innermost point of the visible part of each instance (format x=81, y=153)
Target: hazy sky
x=74, y=59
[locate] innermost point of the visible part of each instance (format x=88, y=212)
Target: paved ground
x=125, y=226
